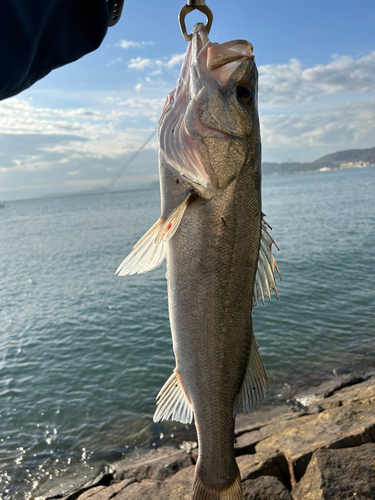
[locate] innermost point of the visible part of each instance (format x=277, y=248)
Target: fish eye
x=245, y=93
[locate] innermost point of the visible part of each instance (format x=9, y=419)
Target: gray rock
x=339, y=475
x=159, y=465
x=265, y=488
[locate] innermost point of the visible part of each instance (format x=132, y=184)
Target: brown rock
x=159, y=465
x=265, y=488
x=245, y=443
x=261, y=464
x=339, y=475
x=152, y=490
x=92, y=493
x=364, y=393
x=183, y=476
x=351, y=425
x=105, y=493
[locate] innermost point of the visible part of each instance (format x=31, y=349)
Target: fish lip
x=201, y=46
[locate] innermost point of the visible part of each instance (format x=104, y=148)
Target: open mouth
x=220, y=54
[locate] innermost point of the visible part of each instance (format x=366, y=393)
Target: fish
x=218, y=250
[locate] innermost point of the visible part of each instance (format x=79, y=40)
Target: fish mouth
x=219, y=60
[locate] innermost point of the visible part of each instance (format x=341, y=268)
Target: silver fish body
x=218, y=252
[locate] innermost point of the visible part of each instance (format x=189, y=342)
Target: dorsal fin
x=264, y=278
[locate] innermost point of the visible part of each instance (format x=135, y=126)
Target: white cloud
x=286, y=83
x=307, y=136
x=140, y=63
x=115, y=61
x=138, y=87
x=129, y=44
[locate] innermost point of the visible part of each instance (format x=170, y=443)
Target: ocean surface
x=83, y=353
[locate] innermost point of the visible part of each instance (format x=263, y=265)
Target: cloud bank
x=305, y=112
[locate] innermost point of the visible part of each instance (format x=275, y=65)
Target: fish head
x=210, y=126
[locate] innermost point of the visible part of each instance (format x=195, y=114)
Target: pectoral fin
x=264, y=278
x=146, y=254
x=170, y=226
x=173, y=403
x=254, y=387
x=151, y=249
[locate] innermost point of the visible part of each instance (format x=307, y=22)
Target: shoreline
x=172, y=464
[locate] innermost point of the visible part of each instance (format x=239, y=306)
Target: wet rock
x=314, y=408
x=339, y=474
x=159, y=465
x=261, y=464
x=265, y=488
x=351, y=425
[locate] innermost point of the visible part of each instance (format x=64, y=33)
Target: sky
x=79, y=127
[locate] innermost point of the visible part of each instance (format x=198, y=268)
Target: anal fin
x=254, y=387
x=173, y=403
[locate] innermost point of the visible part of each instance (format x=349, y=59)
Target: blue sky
x=77, y=127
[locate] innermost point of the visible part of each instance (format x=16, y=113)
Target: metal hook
x=190, y=6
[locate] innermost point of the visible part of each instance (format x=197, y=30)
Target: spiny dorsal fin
x=264, y=278
x=172, y=402
x=254, y=387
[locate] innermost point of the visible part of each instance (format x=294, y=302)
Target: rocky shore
x=323, y=447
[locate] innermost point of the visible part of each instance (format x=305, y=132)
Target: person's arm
x=38, y=36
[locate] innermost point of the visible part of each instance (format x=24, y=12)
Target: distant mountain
x=352, y=158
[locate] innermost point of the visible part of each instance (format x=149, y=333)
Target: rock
x=159, y=465
x=315, y=408
x=105, y=493
x=261, y=464
x=364, y=392
x=92, y=493
x=265, y=488
x=245, y=443
x=149, y=489
x=183, y=476
x=339, y=474
x=351, y=425
x=267, y=414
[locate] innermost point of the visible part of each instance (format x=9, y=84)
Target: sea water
x=83, y=352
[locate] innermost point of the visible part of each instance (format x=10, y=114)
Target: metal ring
x=186, y=10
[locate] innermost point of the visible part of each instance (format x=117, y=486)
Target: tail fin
x=201, y=492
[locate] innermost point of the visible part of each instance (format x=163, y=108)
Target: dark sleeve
x=38, y=36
